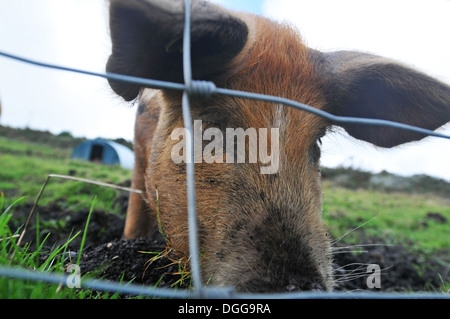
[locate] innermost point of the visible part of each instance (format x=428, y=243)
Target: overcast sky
x=74, y=33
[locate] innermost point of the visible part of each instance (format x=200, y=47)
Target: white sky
x=64, y=32
x=416, y=32
x=74, y=33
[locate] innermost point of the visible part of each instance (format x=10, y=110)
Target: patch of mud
x=106, y=256
x=57, y=225
x=131, y=260
x=400, y=268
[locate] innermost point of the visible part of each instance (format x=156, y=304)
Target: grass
x=396, y=217
x=14, y=255
x=55, y=261
x=24, y=166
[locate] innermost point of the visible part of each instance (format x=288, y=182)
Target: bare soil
x=107, y=256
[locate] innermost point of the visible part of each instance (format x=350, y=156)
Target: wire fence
x=206, y=90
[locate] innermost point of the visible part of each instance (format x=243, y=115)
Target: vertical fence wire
x=190, y=171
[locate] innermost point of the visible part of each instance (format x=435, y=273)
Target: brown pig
x=258, y=231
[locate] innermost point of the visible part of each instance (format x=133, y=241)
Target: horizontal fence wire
x=213, y=90
x=207, y=89
x=211, y=293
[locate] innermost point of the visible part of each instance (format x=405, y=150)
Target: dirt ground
x=106, y=255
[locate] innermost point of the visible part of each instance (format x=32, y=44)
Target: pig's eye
x=315, y=151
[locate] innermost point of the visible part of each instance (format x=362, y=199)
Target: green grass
x=25, y=166
x=396, y=217
x=393, y=217
x=14, y=255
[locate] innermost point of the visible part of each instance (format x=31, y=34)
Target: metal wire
x=212, y=90
x=206, y=89
x=190, y=170
x=211, y=293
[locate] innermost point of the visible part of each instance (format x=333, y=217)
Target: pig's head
x=257, y=231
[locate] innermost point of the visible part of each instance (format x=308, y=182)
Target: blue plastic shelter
x=104, y=151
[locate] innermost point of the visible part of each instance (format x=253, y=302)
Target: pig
x=258, y=232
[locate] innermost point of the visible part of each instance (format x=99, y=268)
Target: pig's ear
x=147, y=37
x=368, y=86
